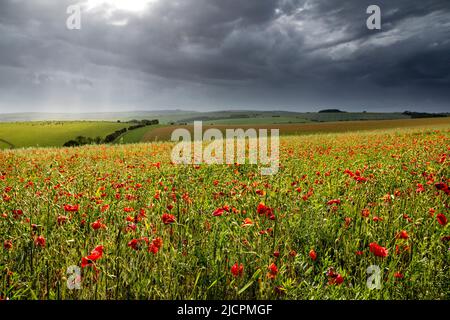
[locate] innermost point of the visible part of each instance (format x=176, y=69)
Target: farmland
x=57, y=133
x=163, y=133
x=139, y=227
x=52, y=133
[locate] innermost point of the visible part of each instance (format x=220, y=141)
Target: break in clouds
x=300, y=55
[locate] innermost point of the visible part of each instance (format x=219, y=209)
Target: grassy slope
x=46, y=134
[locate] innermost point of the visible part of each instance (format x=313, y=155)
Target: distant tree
x=331, y=111
x=71, y=143
x=98, y=140
x=416, y=115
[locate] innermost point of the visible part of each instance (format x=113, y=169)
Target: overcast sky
x=300, y=55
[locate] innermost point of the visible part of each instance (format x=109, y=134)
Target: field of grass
x=139, y=227
x=163, y=133
x=53, y=134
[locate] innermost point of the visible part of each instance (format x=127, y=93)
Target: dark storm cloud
x=216, y=54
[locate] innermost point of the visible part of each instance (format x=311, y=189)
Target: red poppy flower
x=334, y=201
x=398, y=275
x=334, y=277
x=168, y=218
x=95, y=255
x=247, y=222
x=130, y=227
x=17, y=213
x=237, y=270
x=261, y=209
x=265, y=210
x=378, y=250
x=402, y=235
x=339, y=279
x=260, y=192
x=273, y=271
x=153, y=249
x=365, y=213
x=71, y=208
x=134, y=244
x=441, y=186
x=157, y=242
x=313, y=255
x=420, y=188
x=441, y=219
x=155, y=245
x=40, y=241
x=7, y=244
x=218, y=212
x=98, y=224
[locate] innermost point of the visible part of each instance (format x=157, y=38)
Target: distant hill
x=172, y=117
x=90, y=116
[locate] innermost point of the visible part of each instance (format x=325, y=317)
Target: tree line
x=81, y=140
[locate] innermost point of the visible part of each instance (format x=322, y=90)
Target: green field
x=52, y=134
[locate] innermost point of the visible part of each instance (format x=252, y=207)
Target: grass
x=335, y=194
x=54, y=133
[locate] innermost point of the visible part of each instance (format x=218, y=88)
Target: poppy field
x=124, y=222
